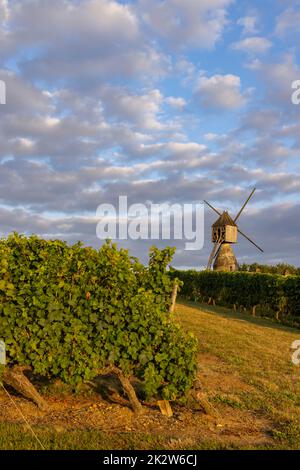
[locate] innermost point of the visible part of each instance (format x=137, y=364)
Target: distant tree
x=284, y=269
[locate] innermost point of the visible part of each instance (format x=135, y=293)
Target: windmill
x=225, y=233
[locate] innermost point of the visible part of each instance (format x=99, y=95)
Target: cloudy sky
x=162, y=101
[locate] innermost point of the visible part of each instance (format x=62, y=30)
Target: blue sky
x=164, y=101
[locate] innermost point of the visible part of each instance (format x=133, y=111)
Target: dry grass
x=245, y=363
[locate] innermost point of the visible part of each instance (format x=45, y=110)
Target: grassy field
x=245, y=363
x=245, y=371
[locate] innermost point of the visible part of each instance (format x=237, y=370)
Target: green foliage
x=280, y=268
x=274, y=295
x=70, y=311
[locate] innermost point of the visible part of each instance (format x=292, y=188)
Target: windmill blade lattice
x=224, y=234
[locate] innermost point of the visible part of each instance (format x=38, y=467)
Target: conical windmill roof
x=224, y=219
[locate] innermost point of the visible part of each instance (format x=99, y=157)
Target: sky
x=171, y=101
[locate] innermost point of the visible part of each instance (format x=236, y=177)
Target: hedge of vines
x=69, y=311
x=270, y=295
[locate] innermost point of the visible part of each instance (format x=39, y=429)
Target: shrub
x=69, y=311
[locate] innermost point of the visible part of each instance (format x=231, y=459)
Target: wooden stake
x=165, y=408
x=173, y=299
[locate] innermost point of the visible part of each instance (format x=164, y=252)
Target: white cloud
x=220, y=91
x=176, y=102
x=186, y=70
x=186, y=22
x=98, y=19
x=288, y=22
x=260, y=120
x=52, y=121
x=248, y=23
x=22, y=95
x=140, y=110
x=87, y=40
x=278, y=77
x=211, y=136
x=253, y=45
x=4, y=11
x=187, y=148
x=25, y=144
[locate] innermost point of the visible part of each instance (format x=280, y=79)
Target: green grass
x=258, y=353
x=245, y=371
x=12, y=438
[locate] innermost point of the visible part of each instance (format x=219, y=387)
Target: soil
x=106, y=409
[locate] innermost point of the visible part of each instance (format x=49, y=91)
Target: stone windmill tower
x=224, y=234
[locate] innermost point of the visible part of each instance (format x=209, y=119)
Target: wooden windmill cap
x=223, y=220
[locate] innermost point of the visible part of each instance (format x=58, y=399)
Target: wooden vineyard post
x=173, y=298
x=165, y=408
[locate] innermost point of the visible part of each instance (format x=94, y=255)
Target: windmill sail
x=224, y=234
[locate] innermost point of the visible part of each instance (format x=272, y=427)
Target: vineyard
x=245, y=372
x=269, y=295
x=70, y=312
x=87, y=328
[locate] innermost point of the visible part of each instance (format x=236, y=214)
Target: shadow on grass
x=228, y=313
